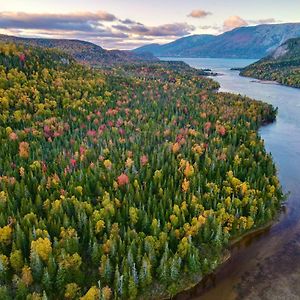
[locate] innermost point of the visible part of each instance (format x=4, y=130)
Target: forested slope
x=122, y=183
x=82, y=51
x=282, y=66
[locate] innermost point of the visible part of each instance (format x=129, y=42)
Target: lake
x=264, y=265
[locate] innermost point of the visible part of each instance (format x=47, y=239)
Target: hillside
x=122, y=183
x=178, y=47
x=82, y=51
x=244, y=42
x=283, y=65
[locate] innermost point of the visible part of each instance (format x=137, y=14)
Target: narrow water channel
x=264, y=265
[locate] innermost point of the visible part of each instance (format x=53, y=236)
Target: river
x=264, y=265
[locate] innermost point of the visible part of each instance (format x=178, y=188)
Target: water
x=265, y=265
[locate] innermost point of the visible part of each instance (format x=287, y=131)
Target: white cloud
x=234, y=22
x=100, y=27
x=199, y=13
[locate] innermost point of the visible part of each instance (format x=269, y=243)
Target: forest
x=125, y=182
x=282, y=66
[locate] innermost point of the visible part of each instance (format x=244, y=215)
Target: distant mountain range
x=283, y=65
x=244, y=42
x=82, y=51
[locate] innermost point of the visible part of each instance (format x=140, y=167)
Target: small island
x=208, y=72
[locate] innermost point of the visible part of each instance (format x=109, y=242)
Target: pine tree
x=61, y=278
x=22, y=291
x=116, y=282
x=52, y=267
x=36, y=266
x=135, y=274
x=96, y=253
x=106, y=269
x=132, y=288
x=16, y=260
x=193, y=260
x=46, y=281
x=175, y=267
x=145, y=272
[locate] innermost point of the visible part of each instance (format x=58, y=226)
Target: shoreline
x=265, y=81
x=189, y=282
x=227, y=253
x=224, y=274
x=261, y=81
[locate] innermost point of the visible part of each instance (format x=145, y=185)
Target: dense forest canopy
x=83, y=51
x=121, y=184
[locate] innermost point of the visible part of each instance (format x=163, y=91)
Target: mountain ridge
x=188, y=42
x=82, y=51
x=243, y=42
x=282, y=65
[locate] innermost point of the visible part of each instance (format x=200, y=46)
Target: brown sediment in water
x=265, y=265
x=252, y=271
x=209, y=280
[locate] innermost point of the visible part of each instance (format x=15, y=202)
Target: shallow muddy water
x=264, y=265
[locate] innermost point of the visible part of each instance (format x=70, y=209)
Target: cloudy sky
x=126, y=24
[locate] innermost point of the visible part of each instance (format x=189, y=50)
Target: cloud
x=122, y=44
x=234, y=22
x=174, y=30
x=72, y=17
x=210, y=27
x=199, y=13
x=100, y=27
x=264, y=21
x=129, y=22
x=86, y=21
x=89, y=23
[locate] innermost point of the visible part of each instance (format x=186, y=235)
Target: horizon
x=84, y=40
x=125, y=26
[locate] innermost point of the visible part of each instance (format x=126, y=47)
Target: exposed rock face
x=283, y=65
x=280, y=51
x=244, y=42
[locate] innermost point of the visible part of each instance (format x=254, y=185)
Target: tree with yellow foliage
x=92, y=294
x=42, y=247
x=5, y=235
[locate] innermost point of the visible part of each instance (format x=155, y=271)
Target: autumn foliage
x=118, y=183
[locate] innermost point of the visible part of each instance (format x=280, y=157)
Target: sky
x=127, y=24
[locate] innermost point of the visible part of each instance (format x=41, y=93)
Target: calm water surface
x=265, y=265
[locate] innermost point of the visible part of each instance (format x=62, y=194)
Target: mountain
x=244, y=42
x=82, y=51
x=178, y=47
x=283, y=65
